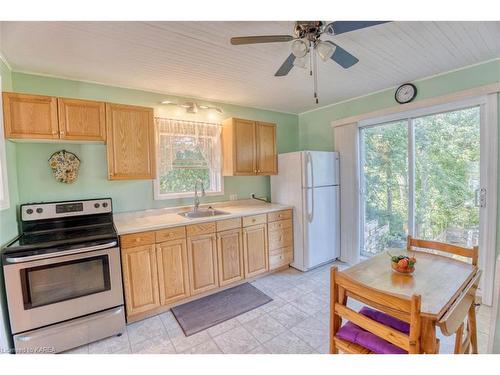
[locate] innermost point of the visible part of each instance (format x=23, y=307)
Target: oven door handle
x=30, y=258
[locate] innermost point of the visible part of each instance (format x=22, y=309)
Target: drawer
x=228, y=224
x=254, y=220
x=170, y=234
x=279, y=225
x=279, y=215
x=137, y=239
x=280, y=257
x=204, y=228
x=280, y=238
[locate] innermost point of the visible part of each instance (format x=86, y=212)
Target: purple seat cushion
x=355, y=334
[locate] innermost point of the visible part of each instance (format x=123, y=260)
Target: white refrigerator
x=309, y=181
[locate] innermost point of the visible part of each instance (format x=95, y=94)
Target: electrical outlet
x=233, y=197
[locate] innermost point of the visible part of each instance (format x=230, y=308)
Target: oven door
x=50, y=290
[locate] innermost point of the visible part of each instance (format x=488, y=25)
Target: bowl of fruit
x=403, y=264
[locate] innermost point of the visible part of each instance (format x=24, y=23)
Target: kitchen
x=162, y=194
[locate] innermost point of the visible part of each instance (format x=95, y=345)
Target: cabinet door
x=267, y=156
x=130, y=142
x=140, y=279
x=202, y=259
x=82, y=119
x=244, y=148
x=173, y=274
x=30, y=116
x=255, y=250
x=230, y=251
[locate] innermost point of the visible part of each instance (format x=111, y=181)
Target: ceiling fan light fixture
x=203, y=107
x=325, y=50
x=300, y=48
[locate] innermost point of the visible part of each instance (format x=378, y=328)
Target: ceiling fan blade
x=260, y=39
x=342, y=57
x=286, y=66
x=340, y=27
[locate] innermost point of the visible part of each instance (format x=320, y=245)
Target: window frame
x=186, y=194
x=4, y=183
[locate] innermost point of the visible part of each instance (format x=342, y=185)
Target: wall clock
x=405, y=93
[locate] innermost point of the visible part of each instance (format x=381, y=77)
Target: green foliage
x=189, y=166
x=446, y=175
x=183, y=180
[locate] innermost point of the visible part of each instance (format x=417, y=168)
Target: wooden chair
x=405, y=309
x=465, y=304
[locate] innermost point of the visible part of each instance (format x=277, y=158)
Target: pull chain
x=315, y=77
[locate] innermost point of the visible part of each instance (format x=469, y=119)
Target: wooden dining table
x=439, y=280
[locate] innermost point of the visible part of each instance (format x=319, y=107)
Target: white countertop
x=154, y=219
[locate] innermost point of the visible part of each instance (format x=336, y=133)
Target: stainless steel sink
x=202, y=212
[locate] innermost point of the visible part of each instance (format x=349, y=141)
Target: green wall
x=127, y=195
x=315, y=131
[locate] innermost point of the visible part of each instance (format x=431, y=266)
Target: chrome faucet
x=196, y=198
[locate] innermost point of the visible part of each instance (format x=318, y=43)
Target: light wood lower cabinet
x=230, y=256
x=165, y=267
x=140, y=278
x=173, y=275
x=202, y=259
x=255, y=250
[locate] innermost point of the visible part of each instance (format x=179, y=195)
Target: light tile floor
x=296, y=321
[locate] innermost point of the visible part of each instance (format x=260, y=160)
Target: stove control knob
x=29, y=211
x=39, y=210
x=105, y=204
x=97, y=205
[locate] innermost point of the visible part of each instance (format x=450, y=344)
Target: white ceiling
x=196, y=59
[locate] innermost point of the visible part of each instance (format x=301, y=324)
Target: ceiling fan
x=306, y=40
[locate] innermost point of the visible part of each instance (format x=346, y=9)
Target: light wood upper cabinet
x=202, y=259
x=82, y=119
x=30, y=116
x=255, y=250
x=249, y=148
x=230, y=256
x=140, y=279
x=173, y=271
x=267, y=161
x=130, y=142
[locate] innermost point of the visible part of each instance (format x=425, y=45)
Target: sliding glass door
x=420, y=176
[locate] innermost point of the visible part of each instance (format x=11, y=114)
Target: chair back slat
x=370, y=294
x=467, y=252
x=406, y=309
x=387, y=333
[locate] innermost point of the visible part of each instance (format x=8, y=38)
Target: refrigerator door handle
x=310, y=215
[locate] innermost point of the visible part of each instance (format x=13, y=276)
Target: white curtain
x=175, y=137
x=346, y=138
